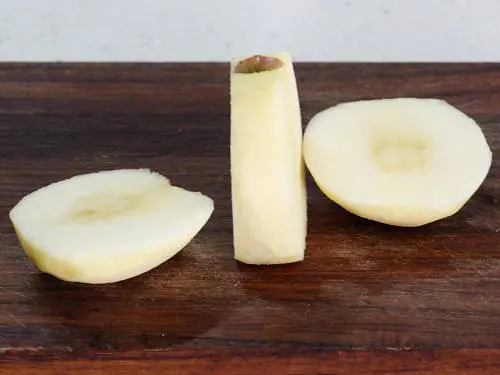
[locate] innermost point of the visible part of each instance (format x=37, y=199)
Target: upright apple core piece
x=267, y=168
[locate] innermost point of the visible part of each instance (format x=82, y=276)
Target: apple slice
x=108, y=226
x=401, y=161
x=267, y=169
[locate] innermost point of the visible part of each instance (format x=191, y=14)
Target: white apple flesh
x=267, y=168
x=108, y=226
x=403, y=161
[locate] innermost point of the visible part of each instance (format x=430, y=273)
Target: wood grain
x=368, y=299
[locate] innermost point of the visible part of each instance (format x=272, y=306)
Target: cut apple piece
x=267, y=168
x=400, y=161
x=108, y=226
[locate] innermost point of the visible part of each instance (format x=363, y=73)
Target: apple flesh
x=108, y=226
x=267, y=168
x=402, y=161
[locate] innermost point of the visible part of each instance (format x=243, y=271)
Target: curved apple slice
x=108, y=226
x=403, y=161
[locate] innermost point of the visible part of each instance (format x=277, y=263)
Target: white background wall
x=207, y=30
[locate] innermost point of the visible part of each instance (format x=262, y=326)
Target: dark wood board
x=368, y=298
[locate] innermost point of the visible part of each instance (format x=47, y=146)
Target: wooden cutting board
x=368, y=299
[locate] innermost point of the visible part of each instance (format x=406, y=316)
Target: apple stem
x=257, y=64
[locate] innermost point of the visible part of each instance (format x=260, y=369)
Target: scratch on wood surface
x=15, y=319
x=482, y=298
x=453, y=257
x=307, y=310
x=31, y=349
x=13, y=349
x=482, y=232
x=13, y=292
x=470, y=103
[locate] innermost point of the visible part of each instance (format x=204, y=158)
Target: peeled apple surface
x=401, y=161
x=108, y=226
x=267, y=167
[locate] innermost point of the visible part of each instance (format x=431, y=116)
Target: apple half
x=399, y=161
x=267, y=168
x=108, y=226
